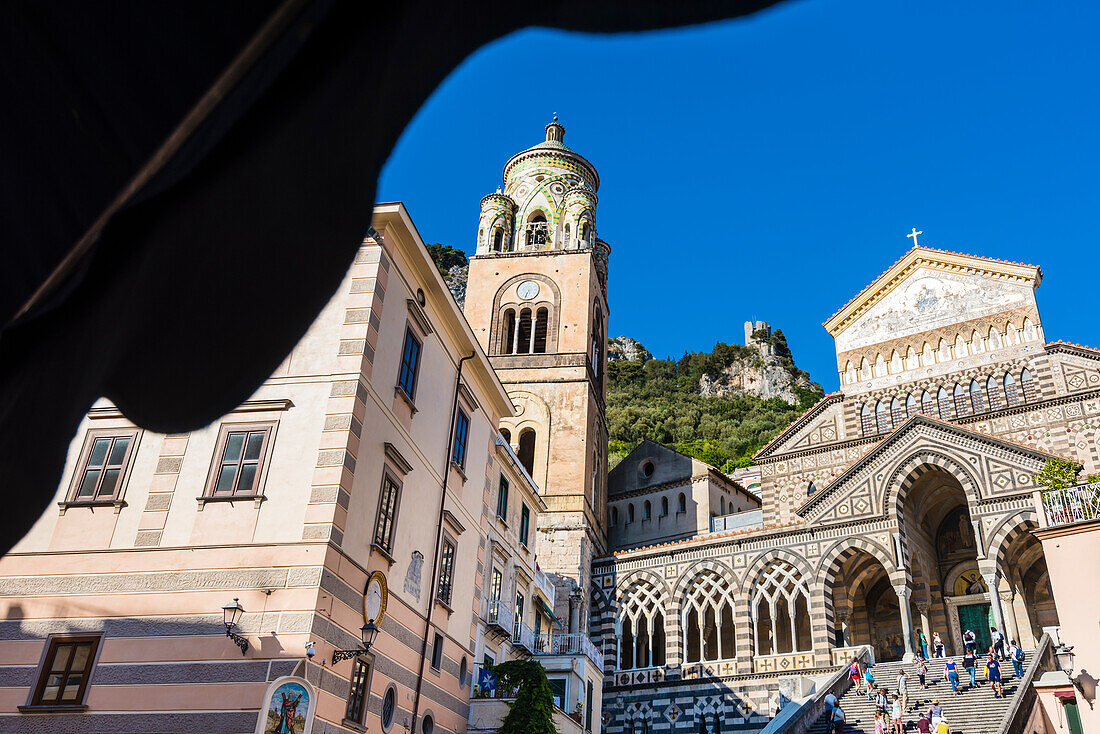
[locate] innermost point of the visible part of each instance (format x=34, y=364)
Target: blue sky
x=769, y=168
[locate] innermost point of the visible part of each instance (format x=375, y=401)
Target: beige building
x=369, y=457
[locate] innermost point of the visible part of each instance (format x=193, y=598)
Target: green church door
x=978, y=618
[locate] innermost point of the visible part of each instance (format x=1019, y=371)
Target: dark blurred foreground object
x=184, y=184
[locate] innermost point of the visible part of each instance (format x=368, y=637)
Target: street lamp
x=231, y=614
x=1065, y=656
x=368, y=632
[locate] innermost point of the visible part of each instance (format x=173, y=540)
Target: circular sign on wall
x=527, y=290
x=375, y=597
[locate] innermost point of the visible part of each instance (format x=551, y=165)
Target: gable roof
x=895, y=436
x=925, y=257
x=695, y=467
x=798, y=424
x=1072, y=348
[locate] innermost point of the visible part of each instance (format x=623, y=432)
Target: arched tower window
x=962, y=402
x=709, y=631
x=867, y=420
x=664, y=507
x=944, y=399
x=498, y=240
x=538, y=231
x=780, y=611
x=509, y=336
x=977, y=399
x=1031, y=390
x=897, y=412
x=597, y=348
x=506, y=434
x=996, y=396
x=524, y=333
x=526, y=454
x=722, y=505
x=882, y=415
x=1012, y=394
x=928, y=404
x=614, y=515
x=641, y=628
x=542, y=316
x=647, y=511
x=681, y=505
x=630, y=513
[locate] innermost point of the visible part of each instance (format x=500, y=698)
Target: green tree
x=1058, y=474
x=446, y=257
x=533, y=710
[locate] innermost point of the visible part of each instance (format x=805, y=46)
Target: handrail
x=801, y=717
x=1018, y=713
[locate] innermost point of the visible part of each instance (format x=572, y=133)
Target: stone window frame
x=49, y=652
x=263, y=465
x=407, y=392
x=71, y=500
x=357, y=718
x=444, y=592
x=389, y=477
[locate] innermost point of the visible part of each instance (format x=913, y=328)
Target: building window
x=524, y=523
x=963, y=406
x=502, y=499
x=542, y=317
x=647, y=511
x=410, y=364
x=446, y=571
x=387, y=514
x=437, y=652
x=995, y=395
x=103, y=465
x=664, y=507
x=65, y=672
x=517, y=625
x=357, y=696
x=681, y=503
x=389, y=707
x=882, y=413
x=427, y=726
x=1031, y=391
x=614, y=516
x=526, y=453
x=780, y=610
x=495, y=586
x=897, y=412
x=588, y=709
x=928, y=405
x=509, y=336
x=241, y=452
x=630, y=513
x=944, y=401
x=867, y=420
x=1012, y=395
x=462, y=436
x=977, y=399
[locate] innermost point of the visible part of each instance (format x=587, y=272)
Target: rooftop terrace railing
x=1071, y=504
x=748, y=520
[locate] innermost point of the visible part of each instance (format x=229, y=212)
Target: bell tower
x=537, y=300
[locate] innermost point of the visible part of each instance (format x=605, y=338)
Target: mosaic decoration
x=288, y=708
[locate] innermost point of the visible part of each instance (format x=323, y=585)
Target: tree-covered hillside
x=660, y=400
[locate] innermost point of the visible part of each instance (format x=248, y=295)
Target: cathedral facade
x=901, y=504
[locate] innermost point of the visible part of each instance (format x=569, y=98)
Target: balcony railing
x=748, y=520
x=523, y=637
x=1071, y=504
x=550, y=643
x=500, y=616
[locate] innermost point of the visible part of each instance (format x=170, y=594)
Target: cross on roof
x=914, y=234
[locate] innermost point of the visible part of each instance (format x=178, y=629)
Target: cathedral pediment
x=929, y=289
x=993, y=467
x=821, y=424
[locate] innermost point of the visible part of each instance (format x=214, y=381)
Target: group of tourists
x=889, y=709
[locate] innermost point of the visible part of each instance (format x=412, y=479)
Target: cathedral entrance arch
x=1023, y=586
x=933, y=507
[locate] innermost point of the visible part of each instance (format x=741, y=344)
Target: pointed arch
x=882, y=416
x=943, y=398
x=977, y=396
x=897, y=412
x=911, y=468
x=640, y=622
x=867, y=420
x=995, y=393
x=960, y=347
x=928, y=405
x=977, y=344
x=1028, y=386
x=707, y=618
x=1012, y=394
x=780, y=609
x=993, y=338
x=912, y=406
x=963, y=406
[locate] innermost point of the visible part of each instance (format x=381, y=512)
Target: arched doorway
x=1027, y=600
x=866, y=608
x=935, y=515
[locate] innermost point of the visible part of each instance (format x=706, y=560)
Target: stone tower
x=537, y=301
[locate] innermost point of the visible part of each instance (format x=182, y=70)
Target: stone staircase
x=973, y=711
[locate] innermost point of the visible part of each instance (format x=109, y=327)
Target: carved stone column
x=904, y=592
x=1013, y=628
x=992, y=582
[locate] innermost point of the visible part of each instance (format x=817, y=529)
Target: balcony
x=1070, y=505
x=552, y=643
x=523, y=638
x=500, y=619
